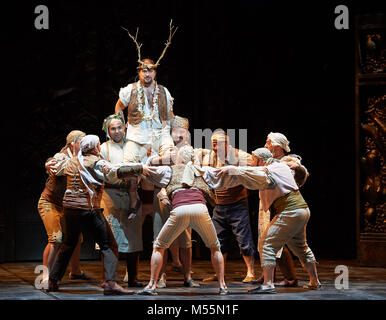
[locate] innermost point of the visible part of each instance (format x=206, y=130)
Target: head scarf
x=109, y=119
x=219, y=135
x=72, y=137
x=87, y=144
x=180, y=122
x=263, y=154
x=278, y=139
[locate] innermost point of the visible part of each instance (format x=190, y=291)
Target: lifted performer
x=149, y=111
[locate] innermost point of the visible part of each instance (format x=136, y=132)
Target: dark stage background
x=255, y=65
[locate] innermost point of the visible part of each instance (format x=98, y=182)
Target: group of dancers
x=148, y=166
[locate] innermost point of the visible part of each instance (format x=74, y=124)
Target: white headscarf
x=279, y=139
x=106, y=123
x=87, y=144
x=263, y=154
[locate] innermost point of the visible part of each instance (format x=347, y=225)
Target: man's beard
x=118, y=140
x=147, y=81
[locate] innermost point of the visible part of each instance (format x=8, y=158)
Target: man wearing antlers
x=150, y=109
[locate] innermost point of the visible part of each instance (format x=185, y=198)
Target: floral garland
x=141, y=102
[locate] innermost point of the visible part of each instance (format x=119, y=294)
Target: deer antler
x=136, y=43
x=168, y=42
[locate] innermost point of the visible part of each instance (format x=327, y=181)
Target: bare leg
x=250, y=263
x=175, y=252
x=310, y=267
x=218, y=266
x=155, y=267
x=186, y=257
x=268, y=276
x=49, y=255
x=286, y=264
x=213, y=278
x=225, y=256
x=163, y=268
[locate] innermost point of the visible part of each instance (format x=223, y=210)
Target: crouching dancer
x=291, y=214
x=81, y=209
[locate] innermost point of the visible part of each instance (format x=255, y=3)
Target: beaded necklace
x=141, y=102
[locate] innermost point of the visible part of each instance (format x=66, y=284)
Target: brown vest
x=134, y=116
x=230, y=195
x=77, y=195
x=54, y=189
x=199, y=183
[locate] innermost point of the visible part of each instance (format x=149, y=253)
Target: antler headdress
x=139, y=45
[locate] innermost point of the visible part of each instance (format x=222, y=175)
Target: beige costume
x=148, y=124
x=116, y=203
x=50, y=205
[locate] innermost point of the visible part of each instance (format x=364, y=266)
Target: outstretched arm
x=230, y=176
x=168, y=158
x=159, y=176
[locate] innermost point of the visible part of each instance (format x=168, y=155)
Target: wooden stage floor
x=365, y=283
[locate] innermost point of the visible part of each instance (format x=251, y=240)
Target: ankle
x=268, y=286
x=314, y=282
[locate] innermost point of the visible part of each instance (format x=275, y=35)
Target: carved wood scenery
x=370, y=97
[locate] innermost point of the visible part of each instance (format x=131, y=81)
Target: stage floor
x=365, y=283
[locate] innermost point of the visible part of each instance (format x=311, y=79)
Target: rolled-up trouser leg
x=285, y=226
x=298, y=243
x=285, y=261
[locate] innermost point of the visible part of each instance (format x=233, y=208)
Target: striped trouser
x=195, y=216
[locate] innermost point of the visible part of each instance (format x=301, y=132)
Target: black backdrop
x=256, y=65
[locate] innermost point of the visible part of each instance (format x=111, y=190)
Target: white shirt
x=285, y=183
x=146, y=132
x=113, y=153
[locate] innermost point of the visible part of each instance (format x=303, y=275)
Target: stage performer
x=149, y=111
x=127, y=228
x=231, y=211
x=51, y=210
x=182, y=246
x=187, y=185
x=278, y=144
x=81, y=203
x=288, y=226
x=187, y=189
